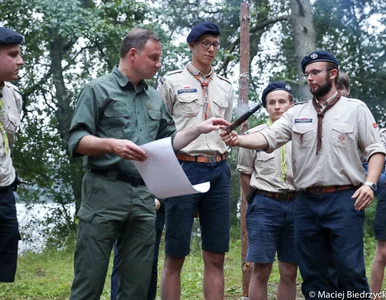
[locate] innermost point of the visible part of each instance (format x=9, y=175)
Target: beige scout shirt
x=383, y=135
x=184, y=99
x=11, y=121
x=349, y=134
x=265, y=168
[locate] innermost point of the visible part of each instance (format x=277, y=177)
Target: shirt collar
x=123, y=81
x=327, y=101
x=196, y=71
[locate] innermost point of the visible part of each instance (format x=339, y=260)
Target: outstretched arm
x=250, y=141
x=184, y=137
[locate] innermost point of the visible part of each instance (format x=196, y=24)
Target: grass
x=49, y=275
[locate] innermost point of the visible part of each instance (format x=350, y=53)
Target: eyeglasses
x=207, y=45
x=314, y=73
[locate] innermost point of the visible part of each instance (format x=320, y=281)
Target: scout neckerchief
x=204, y=84
x=2, y=129
x=283, y=157
x=321, y=114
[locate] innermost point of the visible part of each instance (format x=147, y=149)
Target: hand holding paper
x=163, y=174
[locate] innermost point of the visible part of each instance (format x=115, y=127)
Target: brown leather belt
x=202, y=159
x=329, y=189
x=119, y=176
x=278, y=196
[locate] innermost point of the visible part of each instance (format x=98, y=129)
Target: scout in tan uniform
x=330, y=136
x=192, y=95
x=267, y=179
x=10, y=114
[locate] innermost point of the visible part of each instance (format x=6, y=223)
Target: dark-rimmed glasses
x=207, y=45
x=314, y=73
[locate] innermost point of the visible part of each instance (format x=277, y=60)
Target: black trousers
x=9, y=235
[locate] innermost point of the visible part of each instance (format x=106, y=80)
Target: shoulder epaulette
x=223, y=78
x=360, y=102
x=163, y=78
x=10, y=85
x=382, y=130
x=174, y=72
x=300, y=102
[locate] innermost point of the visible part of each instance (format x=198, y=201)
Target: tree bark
x=304, y=37
x=243, y=101
x=64, y=111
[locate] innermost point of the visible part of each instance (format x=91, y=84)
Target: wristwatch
x=373, y=186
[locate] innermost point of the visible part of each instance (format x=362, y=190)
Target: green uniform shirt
x=110, y=107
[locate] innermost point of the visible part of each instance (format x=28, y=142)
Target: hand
x=157, y=204
x=128, y=150
x=364, y=197
x=231, y=139
x=212, y=124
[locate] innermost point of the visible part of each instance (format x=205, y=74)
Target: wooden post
x=242, y=103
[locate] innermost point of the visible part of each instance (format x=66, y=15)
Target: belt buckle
x=212, y=159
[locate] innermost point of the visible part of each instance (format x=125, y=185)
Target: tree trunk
x=304, y=37
x=64, y=111
x=243, y=101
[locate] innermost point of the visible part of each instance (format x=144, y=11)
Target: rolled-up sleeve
x=85, y=118
x=246, y=161
x=369, y=138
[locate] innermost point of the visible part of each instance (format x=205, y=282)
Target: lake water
x=29, y=226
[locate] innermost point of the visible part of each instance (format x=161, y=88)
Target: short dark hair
x=330, y=66
x=343, y=81
x=136, y=38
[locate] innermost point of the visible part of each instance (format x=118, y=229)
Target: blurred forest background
x=67, y=43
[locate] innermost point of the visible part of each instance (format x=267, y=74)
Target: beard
x=322, y=89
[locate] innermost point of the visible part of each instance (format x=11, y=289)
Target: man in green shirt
x=114, y=115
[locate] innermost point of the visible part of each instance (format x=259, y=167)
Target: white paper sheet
x=163, y=174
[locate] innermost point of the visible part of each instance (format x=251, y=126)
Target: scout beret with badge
x=202, y=28
x=275, y=86
x=318, y=56
x=9, y=37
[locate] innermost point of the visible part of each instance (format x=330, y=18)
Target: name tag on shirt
x=183, y=91
x=303, y=120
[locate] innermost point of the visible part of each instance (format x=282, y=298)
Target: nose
x=158, y=65
x=211, y=48
x=20, y=61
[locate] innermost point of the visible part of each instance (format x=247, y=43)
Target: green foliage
x=354, y=31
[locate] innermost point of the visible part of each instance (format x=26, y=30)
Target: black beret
x=316, y=57
x=9, y=37
x=275, y=86
x=201, y=29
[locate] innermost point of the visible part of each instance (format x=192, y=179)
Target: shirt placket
x=2, y=129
